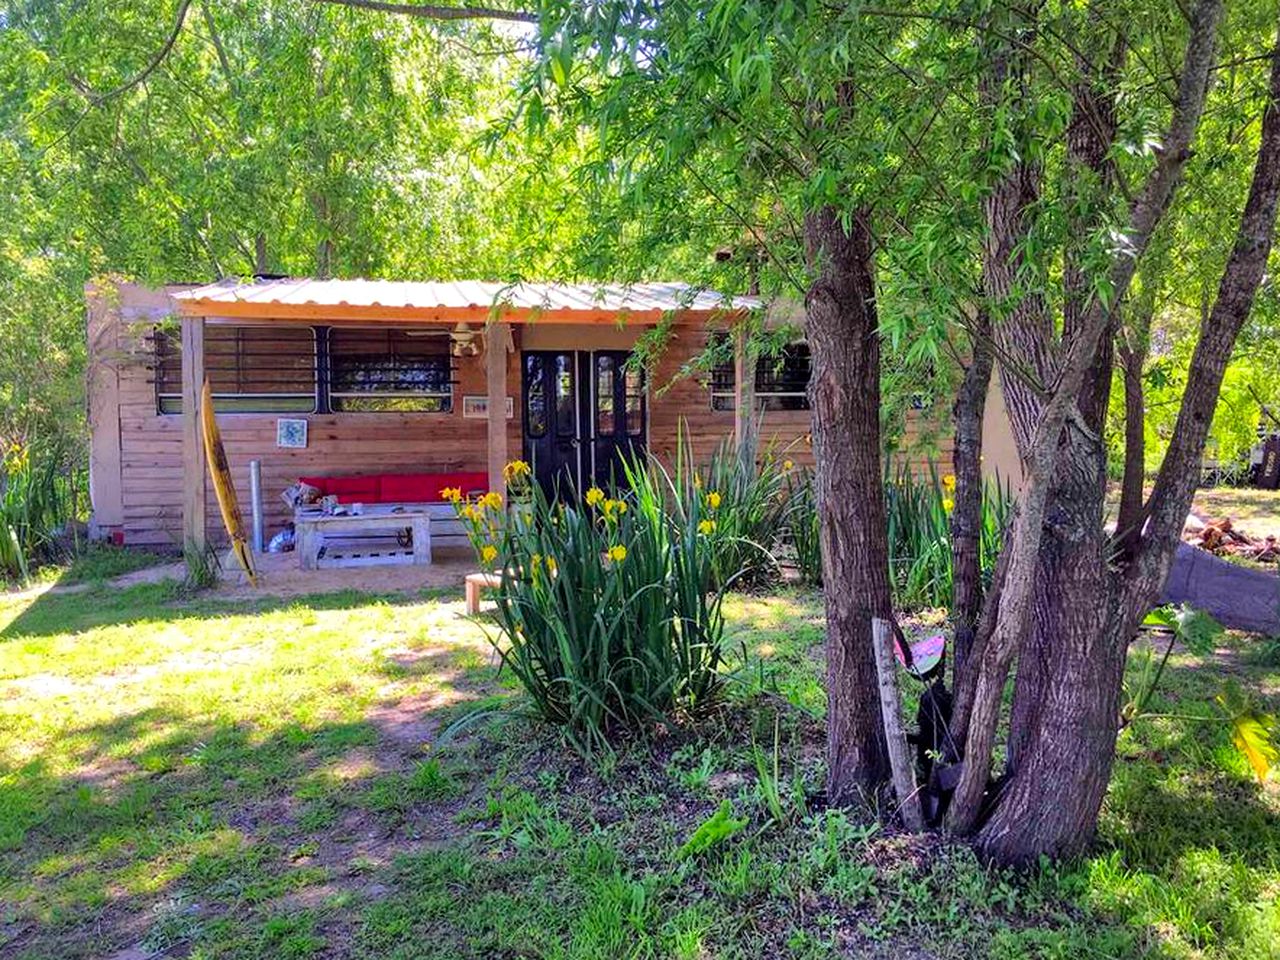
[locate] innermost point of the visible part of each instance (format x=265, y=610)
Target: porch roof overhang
x=448, y=302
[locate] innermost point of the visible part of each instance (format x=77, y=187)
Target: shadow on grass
x=53, y=612
x=170, y=830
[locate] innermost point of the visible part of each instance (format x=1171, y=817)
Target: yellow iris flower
x=713, y=500
x=594, y=496
x=617, y=553
x=488, y=553
x=707, y=527
x=515, y=469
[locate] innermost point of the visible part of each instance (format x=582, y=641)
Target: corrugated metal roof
x=445, y=300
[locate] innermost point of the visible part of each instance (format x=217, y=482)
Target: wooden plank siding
x=151, y=444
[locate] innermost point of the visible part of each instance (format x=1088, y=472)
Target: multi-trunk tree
x=966, y=184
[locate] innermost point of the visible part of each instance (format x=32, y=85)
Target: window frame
x=722, y=386
x=164, y=340
x=329, y=393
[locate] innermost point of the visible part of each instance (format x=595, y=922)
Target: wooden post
x=904, y=777
x=194, y=461
x=499, y=336
x=744, y=395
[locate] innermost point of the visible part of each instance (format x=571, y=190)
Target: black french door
x=582, y=413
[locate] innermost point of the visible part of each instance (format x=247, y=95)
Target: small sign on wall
x=291, y=433
x=477, y=408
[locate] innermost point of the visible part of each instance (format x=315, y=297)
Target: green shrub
x=800, y=524
x=38, y=497
x=750, y=512
x=918, y=515
x=609, y=609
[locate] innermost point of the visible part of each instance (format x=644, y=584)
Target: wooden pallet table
x=370, y=538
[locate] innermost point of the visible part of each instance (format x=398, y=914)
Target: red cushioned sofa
x=398, y=487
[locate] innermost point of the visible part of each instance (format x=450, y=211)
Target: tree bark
x=844, y=394
x=966, y=513
x=1062, y=758
x=1129, y=516
x=1055, y=525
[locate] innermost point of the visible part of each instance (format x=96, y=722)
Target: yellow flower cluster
x=707, y=527
x=17, y=457
x=452, y=494
x=949, y=482
x=488, y=553
x=515, y=470
x=610, y=509
x=713, y=500
x=617, y=553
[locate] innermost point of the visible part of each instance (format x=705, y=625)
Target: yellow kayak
x=220, y=471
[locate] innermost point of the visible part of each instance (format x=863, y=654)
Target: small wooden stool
x=474, y=584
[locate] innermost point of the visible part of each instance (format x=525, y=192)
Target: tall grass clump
x=38, y=498
x=750, y=511
x=918, y=514
x=609, y=610
x=800, y=524
x=919, y=519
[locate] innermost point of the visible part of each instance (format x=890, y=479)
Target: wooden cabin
x=351, y=377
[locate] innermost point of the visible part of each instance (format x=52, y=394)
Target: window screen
x=782, y=380
x=251, y=369
x=378, y=369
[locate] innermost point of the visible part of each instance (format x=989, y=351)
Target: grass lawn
x=1256, y=512
x=186, y=778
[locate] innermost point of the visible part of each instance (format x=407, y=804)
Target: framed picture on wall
x=291, y=434
x=477, y=408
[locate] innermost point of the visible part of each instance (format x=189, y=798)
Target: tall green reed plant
x=609, y=610
x=38, y=498
x=750, y=508
x=918, y=515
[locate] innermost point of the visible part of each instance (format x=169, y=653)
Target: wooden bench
x=373, y=536
x=475, y=583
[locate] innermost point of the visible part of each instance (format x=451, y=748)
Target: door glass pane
x=604, y=396
x=635, y=400
x=535, y=414
x=566, y=419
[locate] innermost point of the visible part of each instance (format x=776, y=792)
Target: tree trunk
x=844, y=393
x=1129, y=516
x=1056, y=530
x=966, y=513
x=1063, y=743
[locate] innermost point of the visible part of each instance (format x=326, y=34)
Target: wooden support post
x=744, y=395
x=194, y=460
x=499, y=336
x=904, y=777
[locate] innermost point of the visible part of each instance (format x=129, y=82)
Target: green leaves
x=715, y=830
x=1195, y=629
x=1253, y=732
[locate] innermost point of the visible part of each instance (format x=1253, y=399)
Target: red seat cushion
x=409, y=488
x=359, y=489
x=399, y=487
